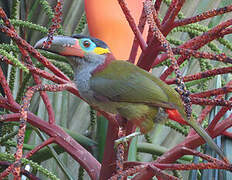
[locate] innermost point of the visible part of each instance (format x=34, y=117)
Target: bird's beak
x=62, y=45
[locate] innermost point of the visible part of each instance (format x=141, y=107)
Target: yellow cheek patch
x=99, y=50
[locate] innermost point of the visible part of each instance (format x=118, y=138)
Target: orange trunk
x=107, y=22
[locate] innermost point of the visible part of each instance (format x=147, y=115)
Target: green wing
x=126, y=82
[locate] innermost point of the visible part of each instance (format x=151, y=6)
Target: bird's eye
x=86, y=44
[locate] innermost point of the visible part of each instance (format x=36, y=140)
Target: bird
x=120, y=87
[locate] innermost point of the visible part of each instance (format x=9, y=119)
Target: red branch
x=51, y=115
x=32, y=51
x=37, y=148
x=227, y=134
x=218, y=116
x=134, y=49
x=132, y=24
x=202, y=75
x=207, y=110
x=24, y=172
x=157, y=5
x=198, y=42
x=173, y=11
x=213, y=92
x=81, y=155
x=55, y=23
x=169, y=11
x=212, y=163
x=109, y=153
x=15, y=167
x=197, y=54
x=218, y=102
x=203, y=16
x=164, y=44
x=6, y=88
x=191, y=143
x=188, y=52
x=27, y=58
x=148, y=55
x=143, y=169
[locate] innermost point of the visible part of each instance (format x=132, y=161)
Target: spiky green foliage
x=14, y=60
x=37, y=167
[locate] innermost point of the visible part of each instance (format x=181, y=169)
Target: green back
x=122, y=81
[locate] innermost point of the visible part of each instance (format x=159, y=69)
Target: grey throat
x=83, y=68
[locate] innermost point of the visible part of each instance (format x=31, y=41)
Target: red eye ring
x=86, y=43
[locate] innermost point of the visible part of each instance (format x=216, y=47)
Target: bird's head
x=79, y=49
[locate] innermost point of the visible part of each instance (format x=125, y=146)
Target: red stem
x=217, y=164
x=203, y=16
x=197, y=54
x=141, y=167
x=204, y=113
x=225, y=32
x=55, y=23
x=15, y=167
x=193, y=166
x=134, y=49
x=213, y=163
x=227, y=134
x=202, y=75
x=23, y=171
x=218, y=102
x=157, y=5
x=192, y=143
x=37, y=148
x=188, y=52
x=27, y=58
x=6, y=88
x=198, y=42
x=32, y=51
x=158, y=36
x=153, y=171
x=208, y=109
x=169, y=11
x=48, y=105
x=157, y=33
x=201, y=155
x=213, y=92
x=81, y=155
x=218, y=116
x=146, y=58
x=120, y=152
x=51, y=115
x=109, y=152
x=46, y=75
x=156, y=17
x=132, y=24
x=167, y=25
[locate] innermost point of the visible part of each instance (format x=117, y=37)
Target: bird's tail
x=200, y=131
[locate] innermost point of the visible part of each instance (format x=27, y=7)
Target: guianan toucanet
x=121, y=87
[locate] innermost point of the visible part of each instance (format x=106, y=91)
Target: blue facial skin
x=91, y=46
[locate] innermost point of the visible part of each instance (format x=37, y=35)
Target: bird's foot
x=125, y=139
